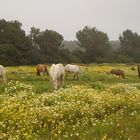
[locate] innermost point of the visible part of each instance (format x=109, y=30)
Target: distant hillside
x=115, y=44
x=72, y=45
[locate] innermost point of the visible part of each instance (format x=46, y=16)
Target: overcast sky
x=68, y=16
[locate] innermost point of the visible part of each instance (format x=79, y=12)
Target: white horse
x=57, y=72
x=69, y=68
x=3, y=73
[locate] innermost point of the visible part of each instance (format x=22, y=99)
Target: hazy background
x=69, y=16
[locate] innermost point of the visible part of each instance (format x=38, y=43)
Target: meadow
x=99, y=106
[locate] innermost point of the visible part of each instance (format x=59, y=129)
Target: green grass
x=114, y=126
x=93, y=75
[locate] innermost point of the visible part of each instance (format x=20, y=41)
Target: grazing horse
x=139, y=71
x=41, y=68
x=132, y=68
x=57, y=72
x=69, y=68
x=3, y=73
x=117, y=72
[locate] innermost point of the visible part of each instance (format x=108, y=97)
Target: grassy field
x=99, y=106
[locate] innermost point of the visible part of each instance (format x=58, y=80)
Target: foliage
x=48, y=46
x=16, y=46
x=130, y=45
x=96, y=43
x=47, y=42
x=11, y=32
x=8, y=51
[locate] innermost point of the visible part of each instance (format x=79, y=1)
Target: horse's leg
x=66, y=77
x=77, y=76
x=74, y=76
x=4, y=78
x=67, y=74
x=62, y=80
x=139, y=71
x=123, y=76
x=38, y=73
x=55, y=84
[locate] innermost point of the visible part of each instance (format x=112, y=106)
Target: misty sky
x=68, y=16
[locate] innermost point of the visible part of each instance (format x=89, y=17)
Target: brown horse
x=132, y=68
x=41, y=68
x=117, y=72
x=139, y=71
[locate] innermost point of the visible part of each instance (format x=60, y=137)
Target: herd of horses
x=57, y=72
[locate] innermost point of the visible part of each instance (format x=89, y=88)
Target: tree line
x=17, y=48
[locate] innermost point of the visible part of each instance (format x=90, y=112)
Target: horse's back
x=72, y=68
x=117, y=71
x=57, y=69
x=40, y=67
